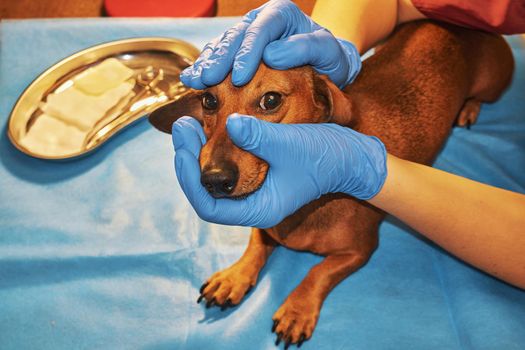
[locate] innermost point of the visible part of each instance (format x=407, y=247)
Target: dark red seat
x=160, y=8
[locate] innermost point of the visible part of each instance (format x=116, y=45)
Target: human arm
x=480, y=224
x=363, y=22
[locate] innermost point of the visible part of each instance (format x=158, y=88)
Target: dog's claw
x=203, y=287
x=301, y=340
x=210, y=303
x=226, y=304
x=275, y=323
x=248, y=290
x=468, y=125
x=287, y=344
x=278, y=340
x=200, y=298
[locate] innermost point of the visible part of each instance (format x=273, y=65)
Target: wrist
x=364, y=166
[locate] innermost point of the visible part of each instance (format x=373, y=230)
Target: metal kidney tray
x=43, y=128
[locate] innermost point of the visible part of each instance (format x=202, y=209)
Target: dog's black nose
x=220, y=181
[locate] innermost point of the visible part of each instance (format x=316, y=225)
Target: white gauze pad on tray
x=103, y=77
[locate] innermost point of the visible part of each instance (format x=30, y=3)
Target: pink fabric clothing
x=498, y=16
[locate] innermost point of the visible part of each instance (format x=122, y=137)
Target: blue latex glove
x=306, y=161
x=281, y=34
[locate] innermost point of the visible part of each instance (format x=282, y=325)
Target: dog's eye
x=209, y=101
x=270, y=100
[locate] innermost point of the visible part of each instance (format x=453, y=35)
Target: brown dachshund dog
x=426, y=78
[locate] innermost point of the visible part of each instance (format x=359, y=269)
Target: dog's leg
x=469, y=113
x=227, y=287
x=295, y=320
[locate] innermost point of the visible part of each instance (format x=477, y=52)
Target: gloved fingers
x=258, y=137
x=342, y=64
x=188, y=173
x=338, y=59
x=188, y=138
x=216, y=59
x=224, y=50
x=221, y=211
x=188, y=134
x=319, y=49
x=290, y=52
x=269, y=24
x=191, y=76
x=220, y=62
x=353, y=58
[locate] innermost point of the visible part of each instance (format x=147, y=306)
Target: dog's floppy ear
x=337, y=105
x=188, y=104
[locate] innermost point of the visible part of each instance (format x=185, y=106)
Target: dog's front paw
x=226, y=288
x=294, y=322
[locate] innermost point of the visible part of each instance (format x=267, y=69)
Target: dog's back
x=413, y=89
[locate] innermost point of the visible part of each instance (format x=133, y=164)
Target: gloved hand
x=281, y=34
x=306, y=161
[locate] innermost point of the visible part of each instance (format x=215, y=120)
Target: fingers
x=220, y=211
x=188, y=173
x=220, y=62
x=216, y=59
x=254, y=135
x=270, y=24
x=290, y=52
x=188, y=138
x=319, y=49
x=187, y=134
x=278, y=144
x=191, y=76
x=241, y=48
x=338, y=59
x=264, y=208
x=354, y=61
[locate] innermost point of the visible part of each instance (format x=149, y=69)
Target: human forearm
x=481, y=224
x=363, y=22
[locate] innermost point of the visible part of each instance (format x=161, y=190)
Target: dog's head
x=297, y=95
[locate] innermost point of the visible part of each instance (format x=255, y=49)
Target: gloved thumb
x=290, y=52
x=187, y=134
x=188, y=173
x=254, y=135
x=336, y=58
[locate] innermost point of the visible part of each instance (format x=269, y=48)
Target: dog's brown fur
x=424, y=79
